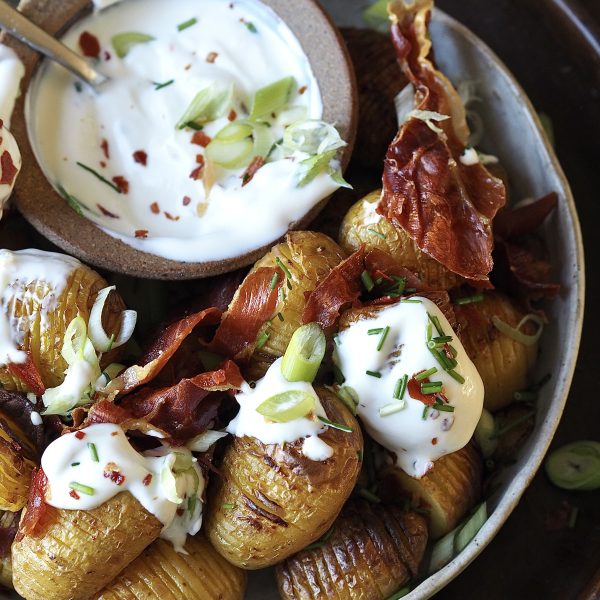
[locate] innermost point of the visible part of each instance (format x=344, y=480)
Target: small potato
x=502, y=362
x=271, y=501
x=161, y=573
x=15, y=473
x=374, y=551
x=309, y=257
x=449, y=490
x=358, y=228
x=80, y=551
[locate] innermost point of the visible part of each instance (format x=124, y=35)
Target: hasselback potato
x=502, y=362
x=15, y=472
x=374, y=550
x=448, y=491
x=270, y=500
x=8, y=523
x=161, y=573
x=39, y=319
x=80, y=551
x=362, y=225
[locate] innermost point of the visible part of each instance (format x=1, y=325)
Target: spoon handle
x=23, y=29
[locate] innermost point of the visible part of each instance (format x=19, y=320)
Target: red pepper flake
x=232, y=116
x=253, y=167
x=74, y=494
x=141, y=233
x=200, y=139
x=115, y=433
x=9, y=171
x=115, y=476
x=155, y=208
x=80, y=435
x=200, y=159
x=197, y=173
x=171, y=217
x=302, y=90
x=89, y=44
x=186, y=200
x=106, y=212
x=140, y=157
x=121, y=183
x=104, y=146
x=414, y=390
x=146, y=481
x=211, y=57
x=434, y=441
x=103, y=164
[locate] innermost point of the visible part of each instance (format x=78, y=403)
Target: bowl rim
x=49, y=213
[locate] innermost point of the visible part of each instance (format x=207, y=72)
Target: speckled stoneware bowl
x=48, y=212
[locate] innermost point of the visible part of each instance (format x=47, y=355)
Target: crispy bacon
x=7, y=168
x=37, y=510
x=253, y=304
x=253, y=167
x=28, y=373
x=445, y=206
x=512, y=223
x=414, y=389
x=340, y=289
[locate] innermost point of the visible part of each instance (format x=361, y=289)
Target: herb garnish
x=98, y=176
x=187, y=24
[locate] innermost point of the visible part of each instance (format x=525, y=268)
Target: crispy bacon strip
x=445, y=206
x=253, y=304
x=37, y=510
x=28, y=373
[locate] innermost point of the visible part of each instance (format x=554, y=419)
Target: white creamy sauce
x=249, y=422
x=72, y=470
x=469, y=156
x=11, y=73
x=36, y=418
x=29, y=276
x=242, y=43
x=10, y=164
x=415, y=440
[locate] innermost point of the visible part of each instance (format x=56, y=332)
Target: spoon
x=14, y=23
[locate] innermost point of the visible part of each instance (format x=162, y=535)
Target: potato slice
x=15, y=473
x=373, y=551
x=502, y=362
x=362, y=225
x=161, y=573
x=271, y=500
x=79, y=551
x=448, y=491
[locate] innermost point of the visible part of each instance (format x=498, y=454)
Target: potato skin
x=281, y=500
x=502, y=362
x=161, y=573
x=15, y=473
x=373, y=551
x=309, y=257
x=81, y=551
x=77, y=297
x=449, y=490
x=354, y=232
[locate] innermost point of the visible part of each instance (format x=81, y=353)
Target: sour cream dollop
x=87, y=468
x=249, y=422
x=127, y=134
x=416, y=434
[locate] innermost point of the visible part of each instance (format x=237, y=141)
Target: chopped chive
x=368, y=495
x=274, y=281
x=228, y=505
x=453, y=350
x=194, y=126
x=251, y=27
x=540, y=384
x=280, y=317
x=75, y=464
x=525, y=396
x=397, y=289
x=444, y=407
x=367, y=280
x=78, y=86
x=457, y=376
x=375, y=331
x=431, y=387
x=470, y=299
x=339, y=426
x=410, y=301
x=379, y=281
x=262, y=339
x=436, y=323
x=98, y=176
x=338, y=375
x=386, y=330
x=84, y=489
x=187, y=24
x=374, y=374
x=440, y=339
x=160, y=86
x=428, y=332
x=93, y=451
x=377, y=233
x=410, y=290
x=425, y=411
x=280, y=264
x=400, y=387
x=424, y=374
x=391, y=408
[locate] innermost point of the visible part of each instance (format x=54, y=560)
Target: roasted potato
x=309, y=257
x=41, y=330
x=448, y=491
x=271, y=501
x=161, y=573
x=79, y=552
x=502, y=362
x=357, y=229
x=373, y=551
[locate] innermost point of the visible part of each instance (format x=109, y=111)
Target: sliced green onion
x=349, y=397
x=187, y=24
x=272, y=97
x=453, y=350
x=234, y=132
x=431, y=387
x=98, y=176
x=375, y=331
x=442, y=339
x=287, y=406
x=516, y=334
x=400, y=387
x=367, y=280
x=124, y=42
x=470, y=529
x=160, y=86
x=470, y=299
x=333, y=425
x=436, y=323
x=207, y=105
x=304, y=353
x=425, y=411
x=457, y=376
x=84, y=489
x=485, y=434
x=313, y=166
x=575, y=466
x=262, y=339
x=93, y=451
x=251, y=27
x=444, y=407
x=384, y=335
x=424, y=374
x=391, y=408
x=442, y=552
x=263, y=139
x=231, y=155
x=411, y=301
x=374, y=374
x=312, y=137
x=377, y=233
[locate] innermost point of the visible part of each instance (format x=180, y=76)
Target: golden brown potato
x=448, y=491
x=357, y=229
x=79, y=552
x=45, y=344
x=309, y=257
x=15, y=473
x=502, y=362
x=271, y=500
x=161, y=573
x=373, y=551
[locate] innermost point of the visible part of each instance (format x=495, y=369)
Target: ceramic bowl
x=47, y=211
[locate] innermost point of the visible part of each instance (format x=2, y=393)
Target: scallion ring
x=304, y=353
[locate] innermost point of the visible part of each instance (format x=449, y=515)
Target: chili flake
x=104, y=146
x=74, y=494
x=80, y=435
x=146, y=481
x=155, y=208
x=186, y=200
x=197, y=173
x=171, y=217
x=201, y=139
x=232, y=116
x=106, y=212
x=89, y=44
x=121, y=183
x=302, y=90
x=211, y=57
x=140, y=157
x=141, y=233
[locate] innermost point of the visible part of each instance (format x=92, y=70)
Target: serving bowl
x=48, y=212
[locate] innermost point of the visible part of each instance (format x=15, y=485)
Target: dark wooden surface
x=536, y=555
